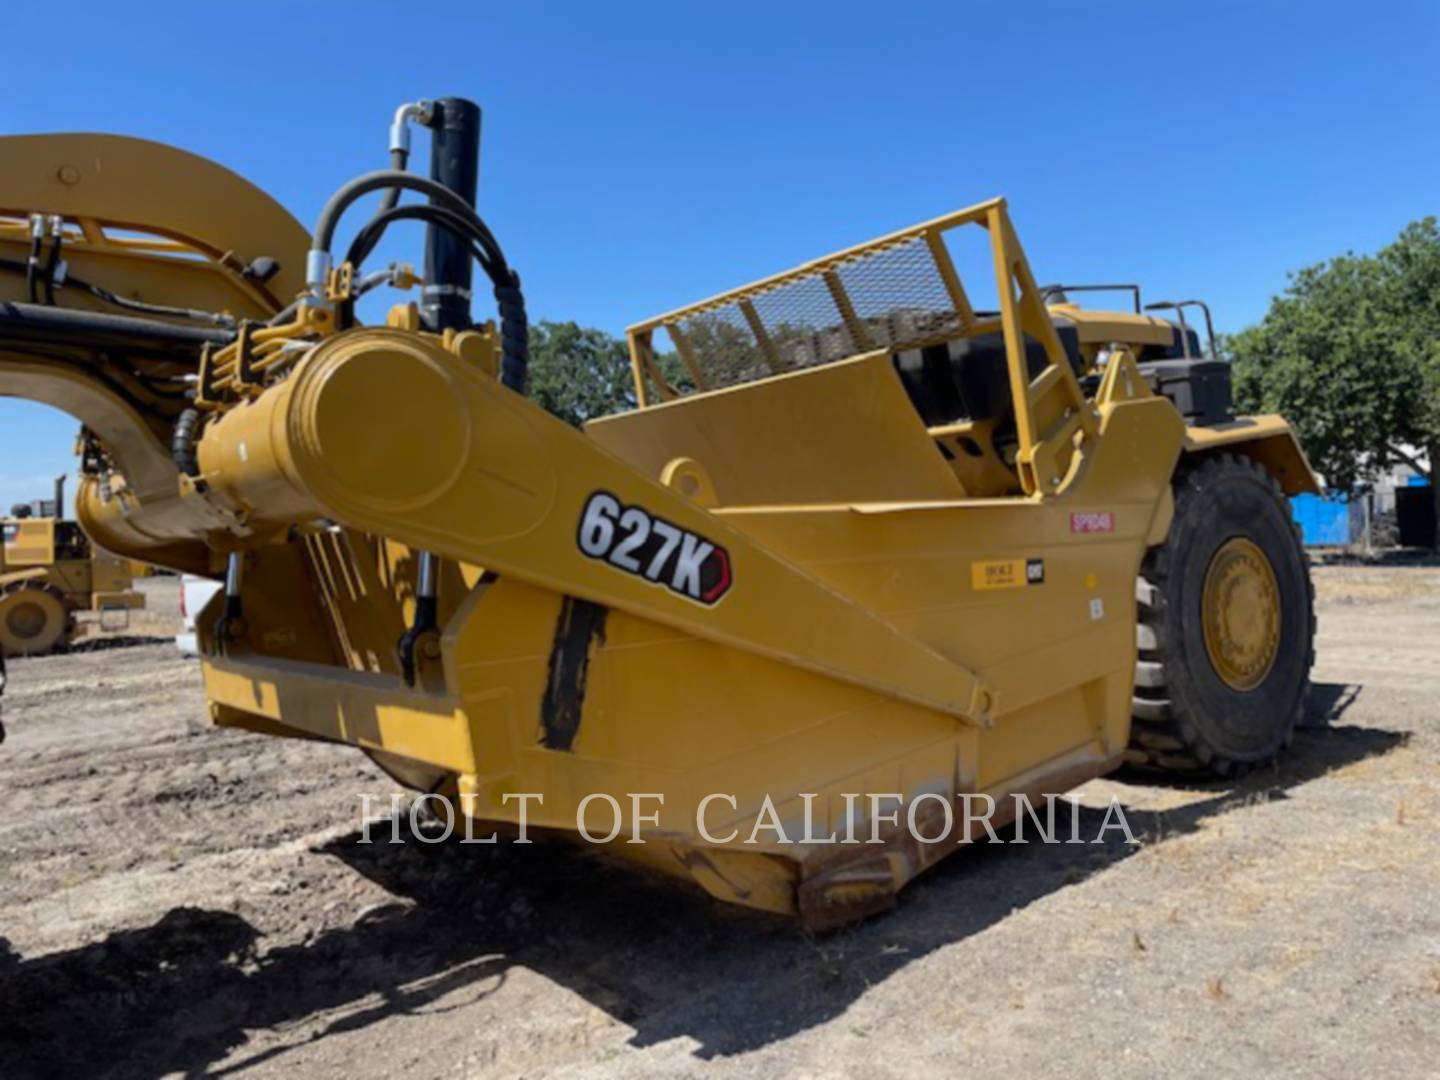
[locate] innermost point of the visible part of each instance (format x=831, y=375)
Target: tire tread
x=1163, y=736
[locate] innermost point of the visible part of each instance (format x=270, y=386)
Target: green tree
x=579, y=373
x=1350, y=353
x=1411, y=267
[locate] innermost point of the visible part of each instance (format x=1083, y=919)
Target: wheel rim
x=1240, y=610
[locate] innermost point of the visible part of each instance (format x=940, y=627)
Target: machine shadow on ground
x=181, y=994
x=102, y=643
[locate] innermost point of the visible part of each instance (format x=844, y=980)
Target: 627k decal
x=634, y=540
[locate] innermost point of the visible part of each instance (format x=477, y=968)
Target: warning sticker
x=1092, y=521
x=1006, y=573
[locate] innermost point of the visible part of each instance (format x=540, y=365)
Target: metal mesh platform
x=898, y=292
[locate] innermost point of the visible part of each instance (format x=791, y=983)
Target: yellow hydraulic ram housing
x=739, y=613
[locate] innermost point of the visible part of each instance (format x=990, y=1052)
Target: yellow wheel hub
x=32, y=621
x=26, y=619
x=1240, y=610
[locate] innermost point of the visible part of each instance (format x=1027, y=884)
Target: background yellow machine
x=51, y=571
x=863, y=537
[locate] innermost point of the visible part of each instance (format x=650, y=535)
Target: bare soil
x=176, y=899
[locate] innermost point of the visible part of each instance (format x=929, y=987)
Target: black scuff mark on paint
x=580, y=627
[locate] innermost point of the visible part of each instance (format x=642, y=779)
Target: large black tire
x=35, y=618
x=1187, y=717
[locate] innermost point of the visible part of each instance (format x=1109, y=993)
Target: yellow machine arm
x=149, y=226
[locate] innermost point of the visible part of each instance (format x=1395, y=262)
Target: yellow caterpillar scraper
x=859, y=539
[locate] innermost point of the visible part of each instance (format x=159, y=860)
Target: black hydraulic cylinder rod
x=444, y=305
x=454, y=162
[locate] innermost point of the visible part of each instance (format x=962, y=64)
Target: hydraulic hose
x=285, y=314
x=455, y=215
x=31, y=265
x=182, y=442
x=211, y=317
x=51, y=262
x=93, y=329
x=399, y=158
x=509, y=298
x=370, y=234
x=420, y=112
x=324, y=234
x=514, y=335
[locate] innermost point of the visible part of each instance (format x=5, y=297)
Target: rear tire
x=1225, y=626
x=35, y=619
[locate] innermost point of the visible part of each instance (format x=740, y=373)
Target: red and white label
x=1092, y=521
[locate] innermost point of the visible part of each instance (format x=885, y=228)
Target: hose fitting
x=419, y=112
x=317, y=273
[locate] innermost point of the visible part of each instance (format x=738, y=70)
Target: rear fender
x=1267, y=440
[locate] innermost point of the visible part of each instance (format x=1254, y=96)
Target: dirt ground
x=180, y=899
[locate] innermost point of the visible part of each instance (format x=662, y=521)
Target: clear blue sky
x=639, y=156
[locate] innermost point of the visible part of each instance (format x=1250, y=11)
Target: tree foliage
x=579, y=373
x=1350, y=353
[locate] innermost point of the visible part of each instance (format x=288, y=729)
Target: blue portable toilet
x=1324, y=520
